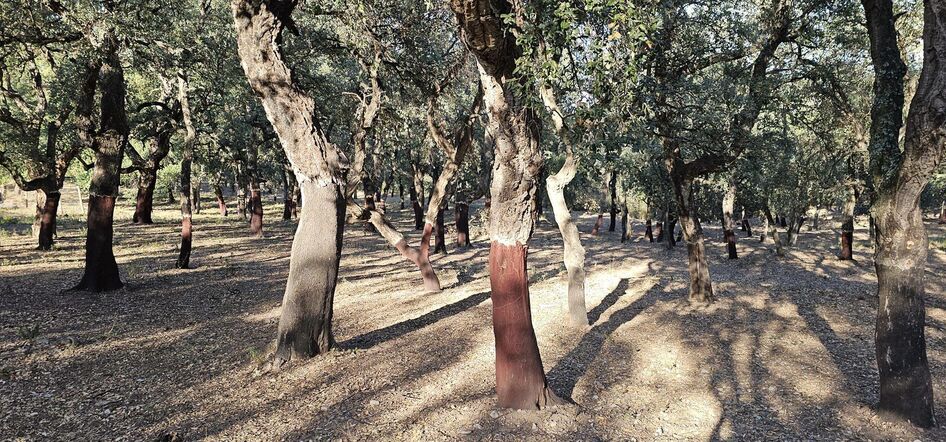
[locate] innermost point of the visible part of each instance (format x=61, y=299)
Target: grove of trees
x=766, y=116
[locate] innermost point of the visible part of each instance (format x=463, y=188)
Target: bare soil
x=785, y=353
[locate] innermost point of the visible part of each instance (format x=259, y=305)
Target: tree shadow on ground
x=394, y=331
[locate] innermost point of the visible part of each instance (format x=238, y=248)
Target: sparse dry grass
x=786, y=352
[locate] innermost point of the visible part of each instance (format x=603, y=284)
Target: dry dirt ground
x=786, y=352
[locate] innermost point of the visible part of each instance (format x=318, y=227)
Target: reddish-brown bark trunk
x=520, y=377
x=256, y=212
x=649, y=231
x=47, y=225
x=221, y=203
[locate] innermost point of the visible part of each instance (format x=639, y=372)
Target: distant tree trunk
x=747, y=226
x=196, y=200
x=612, y=184
x=417, y=195
x=221, y=203
x=47, y=226
x=520, y=376
x=729, y=200
x=144, y=201
x=598, y=222
x=773, y=232
x=187, y=157
x=649, y=231
x=440, y=242
x=659, y=228
x=400, y=192
x=670, y=224
x=256, y=200
x=899, y=174
x=624, y=232
x=108, y=143
x=701, y=286
x=463, y=224
x=286, y=197
x=847, y=226
x=170, y=190
x=573, y=252
x=765, y=228
x=305, y=324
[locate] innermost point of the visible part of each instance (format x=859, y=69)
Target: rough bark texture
x=108, y=143
x=144, y=200
x=305, y=324
x=899, y=176
x=187, y=157
x=417, y=196
x=649, y=230
x=520, y=378
x=47, y=226
x=773, y=232
x=573, y=253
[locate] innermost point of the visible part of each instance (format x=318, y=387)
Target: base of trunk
x=520, y=377
x=101, y=270
x=184, y=259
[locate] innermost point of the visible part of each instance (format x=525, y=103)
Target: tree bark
x=649, y=230
x=47, y=226
x=773, y=232
x=847, y=226
x=305, y=324
x=144, y=201
x=612, y=186
x=286, y=197
x=729, y=201
x=108, y=143
x=573, y=253
x=463, y=224
x=520, y=377
x=440, y=241
x=417, y=196
x=256, y=200
x=670, y=224
x=221, y=203
x=899, y=176
x=187, y=157
x=701, y=286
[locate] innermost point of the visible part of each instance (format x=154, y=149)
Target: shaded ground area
x=786, y=352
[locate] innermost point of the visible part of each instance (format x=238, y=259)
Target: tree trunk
x=256, y=200
x=649, y=231
x=773, y=232
x=847, y=226
x=417, y=196
x=286, y=197
x=47, y=226
x=221, y=203
x=144, y=201
x=701, y=287
x=899, y=175
x=670, y=224
x=187, y=157
x=108, y=143
x=171, y=199
x=765, y=228
x=612, y=185
x=729, y=200
x=624, y=232
x=520, y=377
x=305, y=324
x=195, y=188
x=440, y=242
x=747, y=227
x=942, y=213
x=573, y=252
x=598, y=223
x=463, y=224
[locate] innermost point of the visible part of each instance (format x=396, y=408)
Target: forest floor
x=785, y=353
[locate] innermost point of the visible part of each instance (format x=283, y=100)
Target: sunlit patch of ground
x=785, y=353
